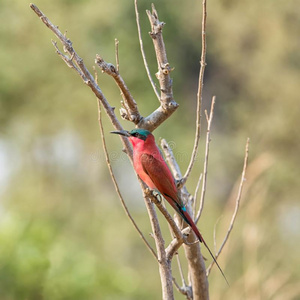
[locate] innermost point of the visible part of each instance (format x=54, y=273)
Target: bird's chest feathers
x=137, y=161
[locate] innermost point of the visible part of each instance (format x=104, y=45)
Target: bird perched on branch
x=153, y=170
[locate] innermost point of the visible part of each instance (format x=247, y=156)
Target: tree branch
x=237, y=205
x=164, y=265
x=164, y=69
x=185, y=290
x=117, y=55
x=199, y=94
x=196, y=194
x=181, y=271
x=142, y=50
x=205, y=168
x=130, y=111
x=167, y=103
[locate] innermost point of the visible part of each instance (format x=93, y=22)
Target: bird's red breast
x=152, y=168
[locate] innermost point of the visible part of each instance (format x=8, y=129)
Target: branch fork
x=130, y=110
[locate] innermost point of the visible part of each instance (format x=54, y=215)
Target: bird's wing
x=162, y=178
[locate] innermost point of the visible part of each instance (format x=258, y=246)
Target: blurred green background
x=63, y=233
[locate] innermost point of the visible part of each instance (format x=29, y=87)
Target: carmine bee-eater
x=153, y=170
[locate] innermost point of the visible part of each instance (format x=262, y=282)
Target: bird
x=152, y=169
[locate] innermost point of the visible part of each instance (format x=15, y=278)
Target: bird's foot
x=153, y=194
x=180, y=183
x=157, y=196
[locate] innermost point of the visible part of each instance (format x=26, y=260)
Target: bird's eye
x=135, y=134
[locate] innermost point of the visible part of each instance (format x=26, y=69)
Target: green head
x=139, y=133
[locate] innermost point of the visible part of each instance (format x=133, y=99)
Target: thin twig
x=186, y=290
x=175, y=252
x=196, y=194
x=180, y=270
x=68, y=60
x=142, y=50
x=199, y=95
x=117, y=55
x=117, y=186
x=237, y=204
x=177, y=286
x=205, y=167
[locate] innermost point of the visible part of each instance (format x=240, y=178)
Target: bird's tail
x=191, y=223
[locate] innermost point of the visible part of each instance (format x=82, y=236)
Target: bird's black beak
x=121, y=132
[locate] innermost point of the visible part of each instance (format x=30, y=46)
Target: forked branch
x=130, y=109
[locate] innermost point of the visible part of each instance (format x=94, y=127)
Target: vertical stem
x=164, y=264
x=199, y=94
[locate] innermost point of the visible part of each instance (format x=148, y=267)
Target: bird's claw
x=157, y=196
x=180, y=183
x=153, y=194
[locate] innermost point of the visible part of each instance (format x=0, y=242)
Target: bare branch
x=176, y=243
x=117, y=55
x=129, y=102
x=196, y=194
x=180, y=270
x=199, y=94
x=69, y=61
x=205, y=168
x=185, y=290
x=237, y=204
x=168, y=153
x=117, y=186
x=164, y=69
x=83, y=73
x=142, y=50
x=165, y=269
x=168, y=105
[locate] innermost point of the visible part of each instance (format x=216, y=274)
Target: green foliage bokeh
x=63, y=233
